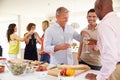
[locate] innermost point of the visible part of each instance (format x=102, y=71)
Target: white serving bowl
x=41, y=73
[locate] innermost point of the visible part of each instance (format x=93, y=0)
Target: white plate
x=65, y=77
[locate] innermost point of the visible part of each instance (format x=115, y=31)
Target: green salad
x=17, y=68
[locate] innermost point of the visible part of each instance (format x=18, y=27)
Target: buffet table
x=7, y=75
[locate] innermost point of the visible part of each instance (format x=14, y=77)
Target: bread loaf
x=77, y=67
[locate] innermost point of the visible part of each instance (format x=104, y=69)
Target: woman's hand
x=39, y=39
x=40, y=52
x=31, y=32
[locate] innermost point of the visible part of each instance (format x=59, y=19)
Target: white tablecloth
x=7, y=75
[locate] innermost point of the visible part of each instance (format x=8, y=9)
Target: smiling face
x=62, y=18
x=91, y=17
x=62, y=15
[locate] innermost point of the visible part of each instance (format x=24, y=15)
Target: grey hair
x=61, y=9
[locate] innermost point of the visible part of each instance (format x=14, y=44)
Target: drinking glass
x=86, y=42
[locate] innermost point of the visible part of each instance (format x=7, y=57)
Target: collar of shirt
x=92, y=29
x=109, y=15
x=58, y=25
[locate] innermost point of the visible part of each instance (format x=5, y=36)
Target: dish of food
x=41, y=71
x=17, y=68
x=2, y=68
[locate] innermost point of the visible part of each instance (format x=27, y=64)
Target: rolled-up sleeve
x=77, y=36
x=48, y=47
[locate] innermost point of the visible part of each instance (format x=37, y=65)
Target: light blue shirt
x=55, y=35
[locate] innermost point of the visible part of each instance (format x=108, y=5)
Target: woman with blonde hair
x=45, y=56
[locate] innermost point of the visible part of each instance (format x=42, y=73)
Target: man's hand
x=84, y=32
x=92, y=41
x=78, y=57
x=65, y=46
x=62, y=47
x=91, y=76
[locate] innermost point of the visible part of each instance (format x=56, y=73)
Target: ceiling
x=42, y=8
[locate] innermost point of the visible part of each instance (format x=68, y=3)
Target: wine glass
x=68, y=39
x=86, y=42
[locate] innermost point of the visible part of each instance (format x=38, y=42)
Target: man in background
x=86, y=53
